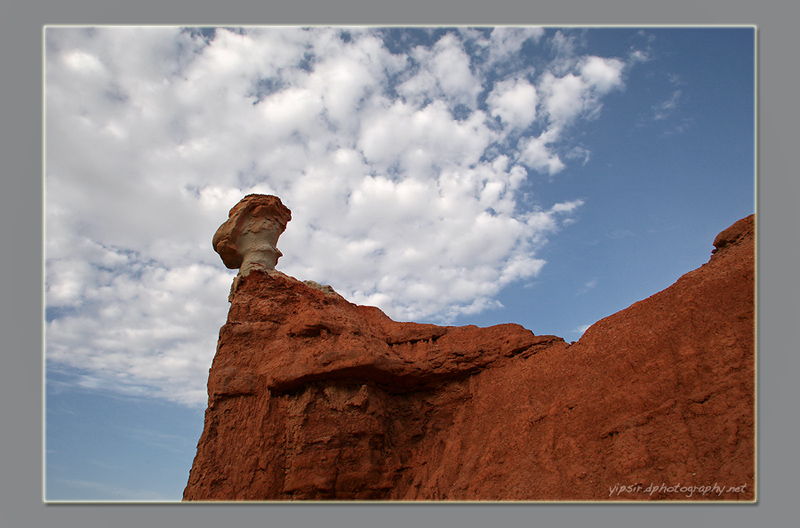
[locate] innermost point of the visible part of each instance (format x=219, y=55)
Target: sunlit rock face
x=311, y=397
x=248, y=239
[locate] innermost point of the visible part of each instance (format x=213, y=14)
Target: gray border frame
x=21, y=224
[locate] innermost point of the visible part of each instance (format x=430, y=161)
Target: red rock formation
x=313, y=397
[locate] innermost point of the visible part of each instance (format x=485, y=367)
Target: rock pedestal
x=312, y=397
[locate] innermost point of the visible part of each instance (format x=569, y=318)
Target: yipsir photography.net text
x=686, y=490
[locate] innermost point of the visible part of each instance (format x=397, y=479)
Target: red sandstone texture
x=312, y=397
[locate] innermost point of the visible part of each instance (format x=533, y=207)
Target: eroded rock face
x=313, y=397
x=248, y=239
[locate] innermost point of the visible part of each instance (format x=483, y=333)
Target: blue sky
x=544, y=176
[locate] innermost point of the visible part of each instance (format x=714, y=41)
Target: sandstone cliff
x=313, y=397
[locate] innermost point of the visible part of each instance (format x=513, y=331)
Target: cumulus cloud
x=504, y=43
x=404, y=170
x=514, y=102
x=444, y=72
x=579, y=94
x=536, y=154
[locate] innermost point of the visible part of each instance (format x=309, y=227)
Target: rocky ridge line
x=315, y=398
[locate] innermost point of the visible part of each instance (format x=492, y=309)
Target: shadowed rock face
x=313, y=397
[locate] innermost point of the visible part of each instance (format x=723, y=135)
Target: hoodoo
x=248, y=239
x=313, y=397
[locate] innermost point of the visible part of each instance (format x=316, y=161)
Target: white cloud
x=506, y=41
x=514, y=102
x=602, y=75
x=579, y=153
x=417, y=140
x=637, y=55
x=502, y=45
x=536, y=155
x=564, y=99
x=444, y=72
x=579, y=94
x=566, y=55
x=589, y=285
x=664, y=109
x=581, y=329
x=400, y=197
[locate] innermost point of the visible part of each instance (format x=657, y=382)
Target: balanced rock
x=247, y=240
x=312, y=397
